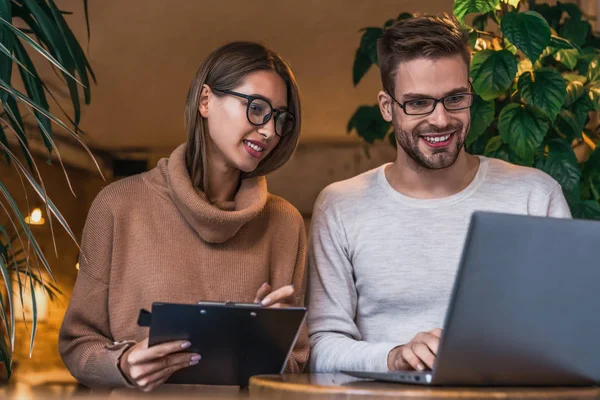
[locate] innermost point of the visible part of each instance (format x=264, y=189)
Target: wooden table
x=339, y=386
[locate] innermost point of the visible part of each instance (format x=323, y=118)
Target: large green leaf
x=585, y=209
x=560, y=162
x=464, y=7
x=570, y=8
x=593, y=71
x=560, y=43
x=523, y=128
x=593, y=76
x=482, y=115
x=575, y=30
x=496, y=148
x=492, y=72
x=575, y=89
x=545, y=89
x=528, y=31
x=368, y=43
x=568, y=125
x=567, y=57
x=362, y=63
x=573, y=77
x=369, y=123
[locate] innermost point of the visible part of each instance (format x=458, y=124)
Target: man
x=385, y=245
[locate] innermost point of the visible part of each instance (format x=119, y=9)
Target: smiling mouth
x=254, y=146
x=437, y=139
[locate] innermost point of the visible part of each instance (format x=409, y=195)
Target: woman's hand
x=276, y=299
x=148, y=368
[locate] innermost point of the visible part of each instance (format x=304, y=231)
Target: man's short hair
x=430, y=37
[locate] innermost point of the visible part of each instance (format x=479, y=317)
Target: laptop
x=525, y=307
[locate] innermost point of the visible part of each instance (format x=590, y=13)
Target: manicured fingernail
x=264, y=284
x=194, y=362
x=420, y=367
x=196, y=358
x=185, y=345
x=265, y=302
x=292, y=285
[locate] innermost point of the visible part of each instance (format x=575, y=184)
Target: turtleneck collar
x=214, y=223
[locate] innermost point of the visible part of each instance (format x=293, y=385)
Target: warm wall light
x=35, y=218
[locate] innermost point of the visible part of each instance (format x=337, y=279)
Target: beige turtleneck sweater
x=154, y=238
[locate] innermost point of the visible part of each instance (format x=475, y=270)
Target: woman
x=199, y=226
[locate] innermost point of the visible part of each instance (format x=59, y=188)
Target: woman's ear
x=205, y=95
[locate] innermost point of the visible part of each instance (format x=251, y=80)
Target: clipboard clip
x=145, y=318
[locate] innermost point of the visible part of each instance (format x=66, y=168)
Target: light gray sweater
x=382, y=265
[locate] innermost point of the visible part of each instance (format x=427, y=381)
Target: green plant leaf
x=551, y=13
x=26, y=229
x=35, y=90
x=369, y=123
x=492, y=72
x=524, y=66
x=593, y=71
x=561, y=43
x=573, y=77
x=575, y=30
x=496, y=148
x=528, y=31
x=510, y=47
x=570, y=8
x=57, y=41
x=523, y=128
x=581, y=108
x=568, y=126
x=480, y=21
x=560, y=162
x=482, y=115
x=586, y=209
x=595, y=185
x=362, y=63
x=575, y=90
x=37, y=47
x=545, y=89
x=368, y=43
x=568, y=58
x=464, y=7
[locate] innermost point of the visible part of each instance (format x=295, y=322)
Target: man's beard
x=441, y=158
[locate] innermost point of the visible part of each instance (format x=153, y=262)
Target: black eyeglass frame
x=275, y=111
x=435, y=102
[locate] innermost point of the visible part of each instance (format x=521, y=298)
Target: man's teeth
x=436, y=139
x=253, y=146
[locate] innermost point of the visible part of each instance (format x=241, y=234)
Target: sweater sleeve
x=336, y=342
x=557, y=206
x=85, y=341
x=299, y=356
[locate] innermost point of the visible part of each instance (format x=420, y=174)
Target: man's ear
x=386, y=105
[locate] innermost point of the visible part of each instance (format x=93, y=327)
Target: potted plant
x=32, y=26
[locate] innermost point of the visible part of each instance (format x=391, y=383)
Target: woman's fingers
x=280, y=295
x=262, y=292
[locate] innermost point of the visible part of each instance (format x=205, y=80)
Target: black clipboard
x=236, y=340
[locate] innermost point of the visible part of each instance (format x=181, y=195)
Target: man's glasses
x=259, y=111
x=425, y=105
